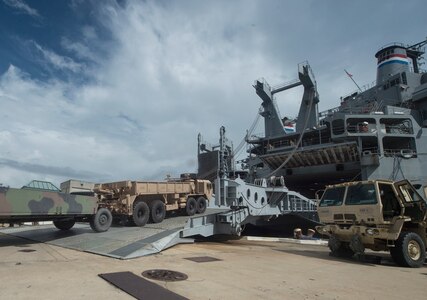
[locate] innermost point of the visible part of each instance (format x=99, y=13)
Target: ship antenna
x=351, y=77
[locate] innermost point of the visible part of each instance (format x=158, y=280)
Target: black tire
x=102, y=220
x=344, y=251
x=191, y=206
x=339, y=248
x=201, y=205
x=141, y=214
x=409, y=250
x=157, y=211
x=64, y=224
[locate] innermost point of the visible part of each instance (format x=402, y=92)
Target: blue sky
x=107, y=90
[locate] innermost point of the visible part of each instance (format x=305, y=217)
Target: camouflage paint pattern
x=33, y=202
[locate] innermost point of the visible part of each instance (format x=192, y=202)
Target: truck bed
x=149, y=187
x=34, y=204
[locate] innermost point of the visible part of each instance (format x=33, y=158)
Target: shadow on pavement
x=369, y=259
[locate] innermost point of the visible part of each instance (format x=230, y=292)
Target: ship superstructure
x=379, y=132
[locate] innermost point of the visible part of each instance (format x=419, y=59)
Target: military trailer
x=42, y=201
x=141, y=201
x=380, y=215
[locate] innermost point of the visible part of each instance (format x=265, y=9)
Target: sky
x=119, y=90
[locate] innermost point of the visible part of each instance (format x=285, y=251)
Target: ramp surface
x=119, y=242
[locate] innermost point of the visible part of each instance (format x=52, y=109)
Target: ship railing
x=290, y=143
x=255, y=137
x=297, y=204
x=393, y=44
x=406, y=153
x=284, y=85
x=370, y=151
x=361, y=110
x=328, y=112
x=315, y=141
x=354, y=93
x=352, y=110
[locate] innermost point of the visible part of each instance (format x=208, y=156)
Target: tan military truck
x=140, y=201
x=379, y=215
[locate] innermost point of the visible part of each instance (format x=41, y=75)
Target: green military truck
x=380, y=215
x=42, y=201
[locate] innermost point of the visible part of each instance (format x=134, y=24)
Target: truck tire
x=141, y=214
x=409, y=250
x=339, y=248
x=201, y=205
x=102, y=220
x=64, y=224
x=191, y=206
x=158, y=211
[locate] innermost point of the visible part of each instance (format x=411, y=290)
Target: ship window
x=361, y=194
x=352, y=125
x=397, y=126
x=395, y=81
x=399, y=146
x=363, y=125
x=332, y=197
x=338, y=126
x=370, y=144
x=404, y=79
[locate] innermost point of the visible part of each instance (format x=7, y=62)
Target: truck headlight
x=321, y=229
x=372, y=231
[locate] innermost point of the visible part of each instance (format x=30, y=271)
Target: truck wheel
x=409, y=250
x=102, y=220
x=158, y=211
x=64, y=224
x=201, y=205
x=339, y=248
x=141, y=214
x=191, y=206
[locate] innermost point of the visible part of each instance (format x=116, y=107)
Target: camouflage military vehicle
x=379, y=215
x=139, y=201
x=42, y=201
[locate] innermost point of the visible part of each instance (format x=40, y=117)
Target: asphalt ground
x=237, y=269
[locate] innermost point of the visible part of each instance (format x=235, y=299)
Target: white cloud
x=22, y=7
x=79, y=49
x=57, y=61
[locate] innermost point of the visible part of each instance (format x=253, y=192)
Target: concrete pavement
x=245, y=270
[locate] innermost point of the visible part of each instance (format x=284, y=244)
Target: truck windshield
x=332, y=197
x=361, y=194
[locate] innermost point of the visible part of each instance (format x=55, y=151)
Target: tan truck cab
x=380, y=215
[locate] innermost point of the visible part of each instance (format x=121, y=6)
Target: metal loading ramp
x=119, y=241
